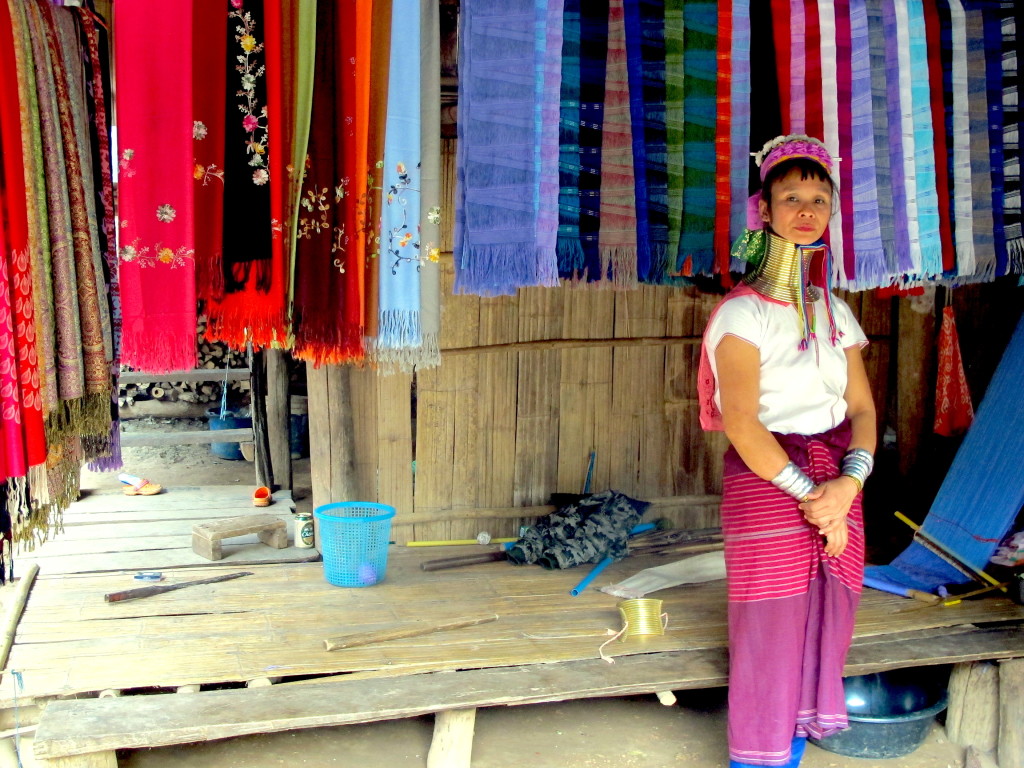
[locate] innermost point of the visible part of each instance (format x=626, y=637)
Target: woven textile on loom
x=918, y=99
x=981, y=494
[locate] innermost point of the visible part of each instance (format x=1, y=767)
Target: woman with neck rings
x=781, y=373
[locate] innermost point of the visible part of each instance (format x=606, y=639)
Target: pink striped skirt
x=791, y=606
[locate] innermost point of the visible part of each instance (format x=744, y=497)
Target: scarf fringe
x=236, y=324
x=322, y=341
x=109, y=458
x=83, y=416
x=431, y=357
x=158, y=350
x=931, y=260
x=498, y=270
x=38, y=487
x=570, y=256
x=1015, y=252
x=872, y=271
x=620, y=262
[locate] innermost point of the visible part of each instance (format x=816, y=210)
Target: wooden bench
x=84, y=733
x=207, y=538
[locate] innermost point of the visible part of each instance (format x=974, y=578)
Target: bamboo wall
x=531, y=385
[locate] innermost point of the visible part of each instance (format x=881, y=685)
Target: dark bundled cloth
x=584, y=530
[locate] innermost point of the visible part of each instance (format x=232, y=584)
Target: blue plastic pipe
x=575, y=591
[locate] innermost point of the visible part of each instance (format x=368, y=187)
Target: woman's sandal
x=141, y=488
x=262, y=497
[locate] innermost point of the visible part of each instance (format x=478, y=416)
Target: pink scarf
x=156, y=243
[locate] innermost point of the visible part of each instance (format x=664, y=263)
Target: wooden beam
x=452, y=744
x=914, y=379
x=973, y=713
x=200, y=374
x=331, y=429
x=132, y=439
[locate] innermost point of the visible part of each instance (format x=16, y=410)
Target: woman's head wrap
x=751, y=244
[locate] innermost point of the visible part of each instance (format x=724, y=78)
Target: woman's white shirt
x=801, y=391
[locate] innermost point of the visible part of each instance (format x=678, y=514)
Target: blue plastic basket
x=354, y=539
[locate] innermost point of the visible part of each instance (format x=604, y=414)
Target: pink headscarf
x=786, y=148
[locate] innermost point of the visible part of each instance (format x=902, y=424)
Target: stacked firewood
x=213, y=355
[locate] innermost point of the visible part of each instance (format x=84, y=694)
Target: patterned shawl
x=992, y=25
x=155, y=195
x=963, y=218
x=723, y=155
x=981, y=168
x=674, y=126
x=593, y=66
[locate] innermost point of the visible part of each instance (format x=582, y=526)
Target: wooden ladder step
x=196, y=437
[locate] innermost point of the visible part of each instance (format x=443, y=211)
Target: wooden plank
x=199, y=375
x=435, y=441
x=467, y=406
x=134, y=439
x=172, y=513
x=915, y=357
x=496, y=422
x=394, y=429
x=319, y=434
x=94, y=725
x=160, y=559
x=341, y=428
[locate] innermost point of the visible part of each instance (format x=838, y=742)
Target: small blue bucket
x=354, y=537
x=229, y=451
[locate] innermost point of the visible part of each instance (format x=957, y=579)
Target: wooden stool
x=207, y=537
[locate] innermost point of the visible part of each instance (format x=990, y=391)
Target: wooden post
x=279, y=417
x=915, y=363
x=1011, y=714
x=331, y=442
x=973, y=713
x=452, y=745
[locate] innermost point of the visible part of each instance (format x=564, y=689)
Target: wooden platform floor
x=108, y=531
x=273, y=624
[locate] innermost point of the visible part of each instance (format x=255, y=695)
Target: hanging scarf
x=824, y=102
x=867, y=241
x=380, y=62
x=981, y=170
x=253, y=267
x=645, y=63
x=992, y=25
x=1011, y=149
x=496, y=244
x=924, y=143
x=548, y=57
x=901, y=21
x=787, y=37
x=430, y=184
x=963, y=218
x=739, y=129
x=936, y=83
x=723, y=155
x=593, y=67
x=209, y=95
x=155, y=192
x=328, y=308
x=901, y=192
x=815, y=65
x=569, y=249
x=674, y=126
x=843, y=50
x=796, y=80
x=953, y=410
x=618, y=235
x=36, y=209
x=880, y=138
x=22, y=436
x=399, y=343
x=696, y=241
x=93, y=305
x=106, y=451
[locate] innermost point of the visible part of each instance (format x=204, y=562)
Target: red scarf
x=156, y=192
x=723, y=126
x=953, y=410
x=22, y=438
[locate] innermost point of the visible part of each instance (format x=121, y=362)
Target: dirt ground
x=600, y=733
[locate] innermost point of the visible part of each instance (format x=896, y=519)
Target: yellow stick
x=951, y=554
x=453, y=542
